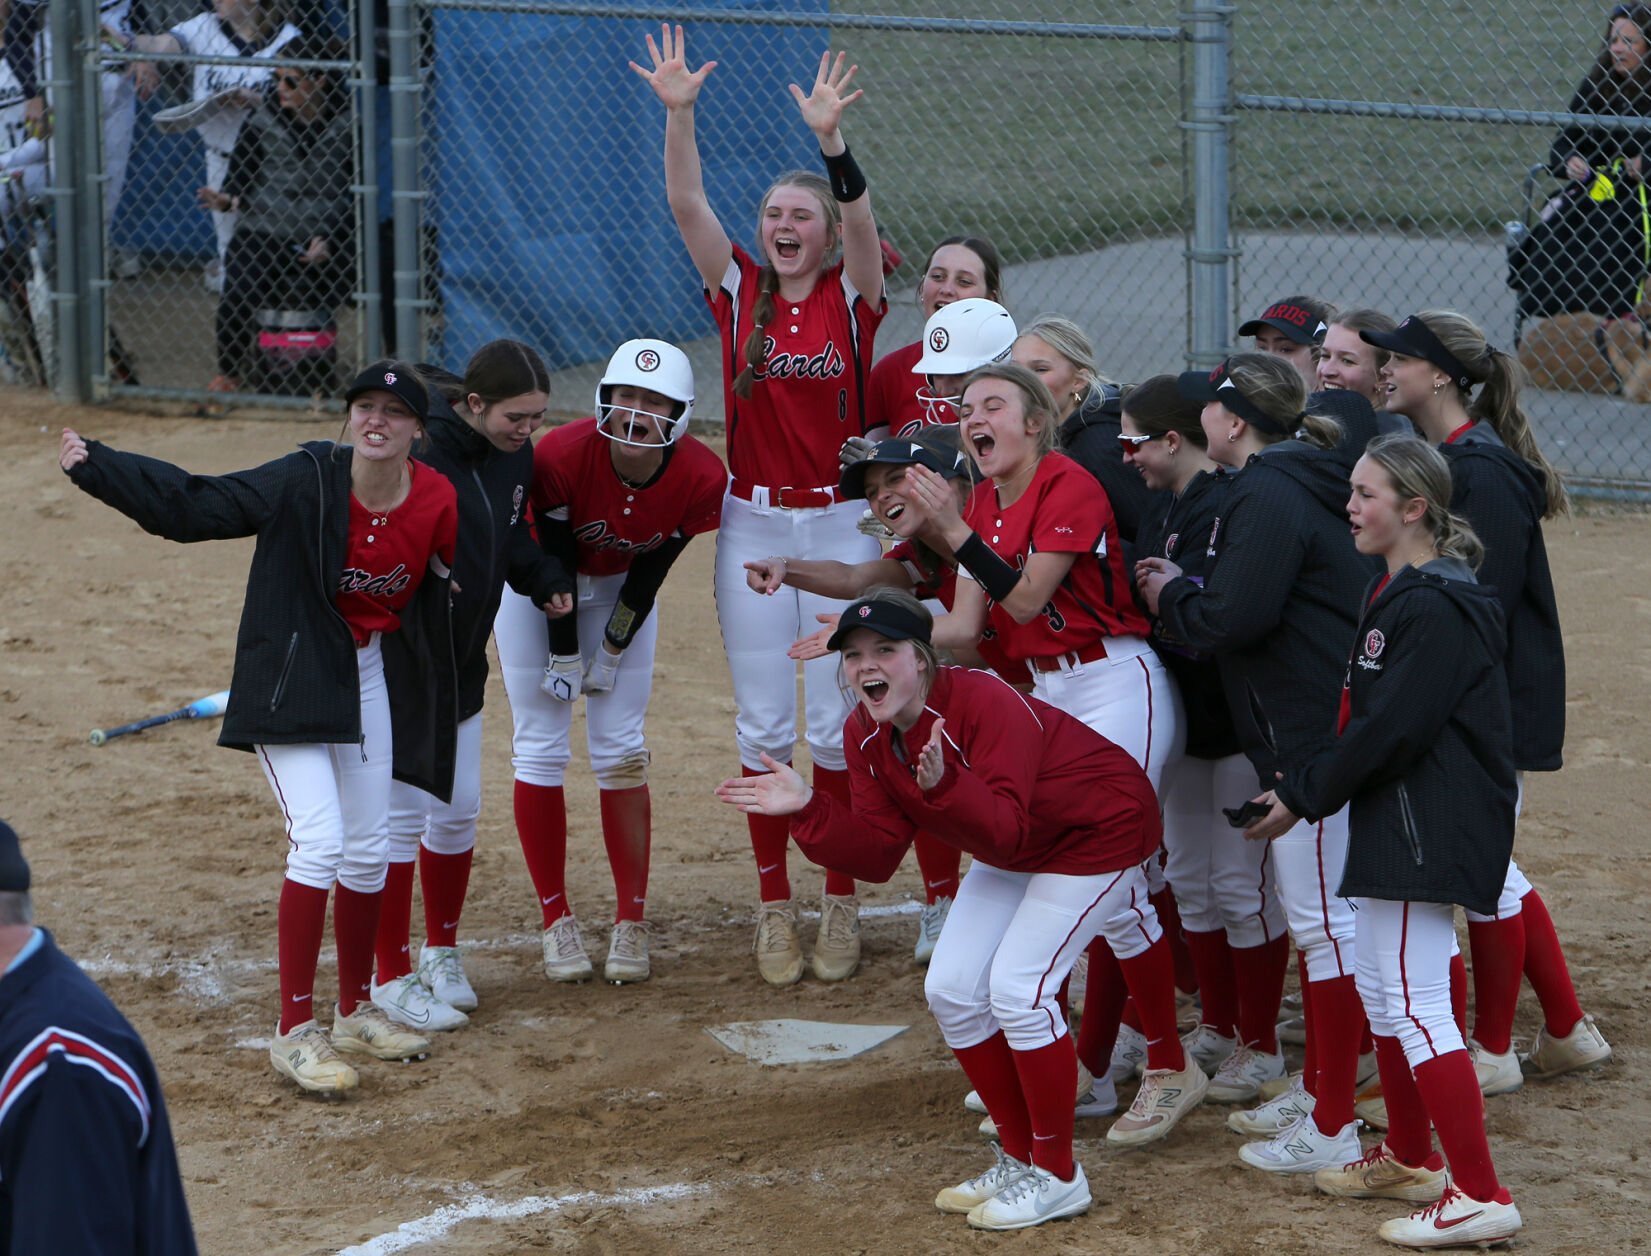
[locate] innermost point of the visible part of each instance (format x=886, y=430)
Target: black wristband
x=994, y=575
x=848, y=182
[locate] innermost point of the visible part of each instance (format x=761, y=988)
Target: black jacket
x=1426, y=757
x=495, y=544
x=1180, y=529
x=1279, y=603
x=1089, y=436
x=1504, y=498
x=295, y=679
x=1601, y=146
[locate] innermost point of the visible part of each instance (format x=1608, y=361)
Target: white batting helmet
x=958, y=338
x=658, y=366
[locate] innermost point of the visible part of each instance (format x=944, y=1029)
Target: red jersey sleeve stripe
x=32, y=1060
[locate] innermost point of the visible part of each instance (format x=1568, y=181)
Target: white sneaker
x=1164, y=1098
x=565, y=957
x=929, y=924
x=407, y=1002
x=442, y=971
x=307, y=1056
x=1129, y=1054
x=1095, y=1098
x=1241, y=1075
x=1303, y=1149
x=1498, y=1074
x=1293, y=1032
x=966, y=1196
x=627, y=953
x=1208, y=1048
x=1583, y=1047
x=368, y=1031
x=1278, y=1113
x=1455, y=1221
x=1031, y=1199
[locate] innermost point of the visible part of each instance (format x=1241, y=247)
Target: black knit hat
x=14, y=869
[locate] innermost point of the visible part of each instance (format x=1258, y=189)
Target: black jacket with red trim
x=87, y=1164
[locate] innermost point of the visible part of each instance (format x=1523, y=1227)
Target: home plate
x=800, y=1041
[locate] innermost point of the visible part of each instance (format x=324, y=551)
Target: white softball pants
x=335, y=798
x=1404, y=952
x=1514, y=885
x=1221, y=881
x=1127, y=697
x=1308, y=861
x=757, y=629
x=1012, y=938
x=447, y=828
x=540, y=744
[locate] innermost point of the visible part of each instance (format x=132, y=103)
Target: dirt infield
x=598, y=1119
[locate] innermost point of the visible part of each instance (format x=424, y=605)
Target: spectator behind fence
x=1588, y=253
x=289, y=180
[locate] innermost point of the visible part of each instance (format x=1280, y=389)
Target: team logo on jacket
x=939, y=338
x=1170, y=543
x=1215, y=531
x=1375, y=643
x=647, y=360
x=516, y=505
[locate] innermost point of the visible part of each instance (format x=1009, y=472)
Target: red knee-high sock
x=1498, y=948
x=1409, y=1134
x=1217, y=981
x=1132, y=1015
x=1450, y=1089
x=1459, y=993
x=1048, y=1077
x=1151, y=978
x=990, y=1068
x=939, y=864
x=835, y=783
x=1258, y=974
x=542, y=826
x=770, y=835
x=627, y=825
x=300, y=922
x=1546, y=969
x=1309, y=1051
x=1366, y=1043
x=1169, y=916
x=1104, y=994
x=354, y=922
x=392, y=956
x=445, y=879
x=1338, y=1020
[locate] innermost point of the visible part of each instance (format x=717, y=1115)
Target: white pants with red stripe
x=1308, y=861
x=335, y=799
x=1011, y=939
x=1127, y=697
x=757, y=630
x=1221, y=881
x=1514, y=886
x=1404, y=952
x=447, y=828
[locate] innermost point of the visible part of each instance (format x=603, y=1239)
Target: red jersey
x=613, y=522
x=1062, y=511
x=943, y=588
x=1027, y=788
x=386, y=552
x=891, y=393
x=809, y=396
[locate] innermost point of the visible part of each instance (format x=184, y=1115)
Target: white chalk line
x=444, y=1220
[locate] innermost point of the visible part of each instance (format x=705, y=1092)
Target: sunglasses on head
x=1135, y=442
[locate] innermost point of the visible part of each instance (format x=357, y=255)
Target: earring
x=1438, y=387
x=1231, y=437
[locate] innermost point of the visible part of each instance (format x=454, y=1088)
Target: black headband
x=1414, y=339
x=1219, y=385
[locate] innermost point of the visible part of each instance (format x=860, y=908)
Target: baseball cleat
x=627, y=953
x=1302, y=1148
x=1129, y=1054
x=1498, y=1073
x=442, y=971
x=1455, y=1221
x=929, y=924
x=1241, y=1075
x=1378, y=1175
x=1278, y=1113
x=837, y=945
x=779, y=953
x=407, y=1002
x=565, y=957
x=1164, y=1098
x=368, y=1031
x=1208, y=1047
x=966, y=1196
x=1583, y=1047
x=306, y=1055
x=1031, y=1199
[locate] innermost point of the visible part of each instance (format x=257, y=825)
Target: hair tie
x=1303, y=417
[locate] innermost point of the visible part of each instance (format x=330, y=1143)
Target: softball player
x=620, y=495
x=1281, y=581
x=1425, y=752
x=487, y=457
x=1348, y=361
x=1505, y=487
x=343, y=675
x=797, y=334
x=1293, y=328
x=1058, y=821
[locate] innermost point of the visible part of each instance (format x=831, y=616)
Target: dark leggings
x=263, y=271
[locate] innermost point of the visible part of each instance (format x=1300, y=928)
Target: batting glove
x=855, y=449
x=599, y=675
x=562, y=677
x=871, y=525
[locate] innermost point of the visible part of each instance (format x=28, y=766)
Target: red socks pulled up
x=834, y=781
x=542, y=827
x=444, y=879
x=392, y=954
x=627, y=825
x=300, y=922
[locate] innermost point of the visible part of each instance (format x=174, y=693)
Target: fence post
x=404, y=196
x=1210, y=258
x=69, y=381
x=93, y=216
x=367, y=289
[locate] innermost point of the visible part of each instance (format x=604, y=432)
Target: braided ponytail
x=755, y=349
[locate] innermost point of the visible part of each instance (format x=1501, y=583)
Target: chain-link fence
x=1157, y=172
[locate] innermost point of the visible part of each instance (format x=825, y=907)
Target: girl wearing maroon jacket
x=1058, y=820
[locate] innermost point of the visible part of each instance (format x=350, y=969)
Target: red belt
x=1066, y=662
x=786, y=498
